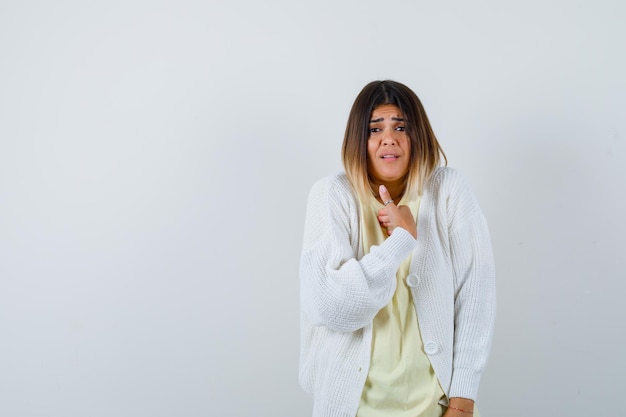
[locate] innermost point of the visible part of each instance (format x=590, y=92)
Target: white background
x=155, y=158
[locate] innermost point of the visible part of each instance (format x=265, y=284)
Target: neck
x=395, y=188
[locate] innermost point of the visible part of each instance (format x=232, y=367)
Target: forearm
x=345, y=294
x=474, y=304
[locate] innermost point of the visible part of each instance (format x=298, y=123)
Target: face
x=388, y=146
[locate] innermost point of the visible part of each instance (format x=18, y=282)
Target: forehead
x=386, y=111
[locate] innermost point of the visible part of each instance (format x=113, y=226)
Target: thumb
x=384, y=194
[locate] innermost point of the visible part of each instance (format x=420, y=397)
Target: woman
x=397, y=274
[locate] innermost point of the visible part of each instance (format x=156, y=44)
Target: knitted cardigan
x=452, y=280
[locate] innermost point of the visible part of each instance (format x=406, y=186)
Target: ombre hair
x=425, y=151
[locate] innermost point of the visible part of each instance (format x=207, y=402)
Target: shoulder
x=336, y=181
x=334, y=198
x=450, y=191
x=335, y=187
x=447, y=181
x=331, y=203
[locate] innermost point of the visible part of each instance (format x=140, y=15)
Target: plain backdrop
x=156, y=156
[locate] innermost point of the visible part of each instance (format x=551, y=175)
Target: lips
x=390, y=156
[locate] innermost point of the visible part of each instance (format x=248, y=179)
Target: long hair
x=425, y=151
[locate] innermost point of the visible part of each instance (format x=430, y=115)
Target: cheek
x=371, y=149
x=406, y=146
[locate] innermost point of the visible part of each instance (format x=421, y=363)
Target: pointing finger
x=384, y=195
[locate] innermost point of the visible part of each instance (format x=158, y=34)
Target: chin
x=392, y=177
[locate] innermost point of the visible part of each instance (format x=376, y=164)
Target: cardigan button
x=412, y=280
x=431, y=347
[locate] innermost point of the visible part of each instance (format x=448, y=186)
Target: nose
x=389, y=138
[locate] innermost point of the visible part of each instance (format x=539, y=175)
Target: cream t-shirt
x=401, y=381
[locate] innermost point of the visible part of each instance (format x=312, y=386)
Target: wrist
x=462, y=405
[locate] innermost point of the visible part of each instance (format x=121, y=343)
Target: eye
x=401, y=129
x=374, y=130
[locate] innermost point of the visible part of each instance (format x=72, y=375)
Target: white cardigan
x=452, y=282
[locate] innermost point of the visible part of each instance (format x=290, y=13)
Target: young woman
x=397, y=274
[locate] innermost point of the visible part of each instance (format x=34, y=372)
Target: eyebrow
x=380, y=119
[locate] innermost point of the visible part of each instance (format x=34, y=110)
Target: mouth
x=390, y=156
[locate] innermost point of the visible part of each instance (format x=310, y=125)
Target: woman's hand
x=392, y=216
x=460, y=407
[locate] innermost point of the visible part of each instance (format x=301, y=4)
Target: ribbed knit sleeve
x=474, y=283
x=337, y=290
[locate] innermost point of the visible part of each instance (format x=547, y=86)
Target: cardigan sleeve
x=474, y=288
x=337, y=290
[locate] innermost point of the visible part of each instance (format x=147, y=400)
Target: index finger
x=385, y=196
